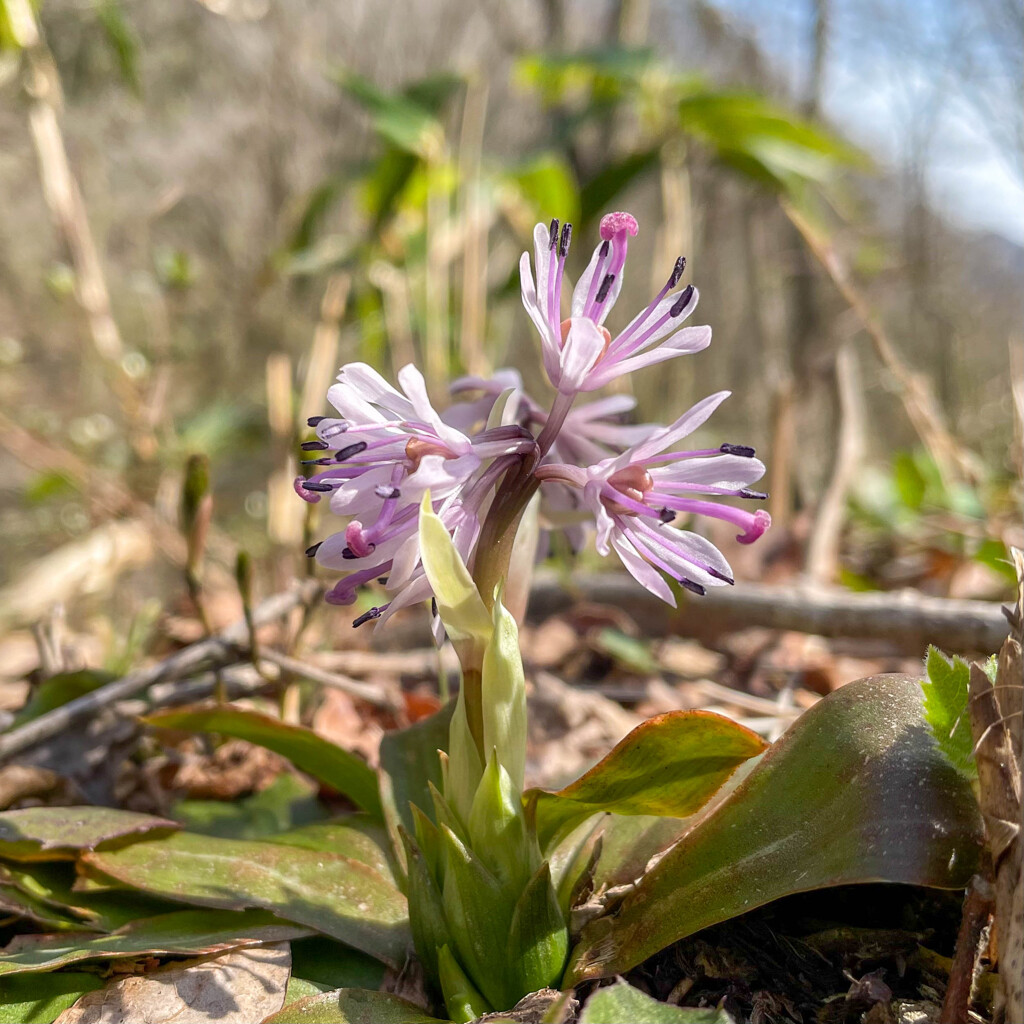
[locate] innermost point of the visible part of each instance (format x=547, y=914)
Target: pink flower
x=635, y=497
x=579, y=352
x=389, y=448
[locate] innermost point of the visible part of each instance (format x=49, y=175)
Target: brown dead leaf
x=339, y=720
x=236, y=988
x=549, y=644
x=689, y=659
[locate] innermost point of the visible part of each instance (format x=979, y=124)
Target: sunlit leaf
x=333, y=965
x=308, y=751
x=352, y=1006
x=621, y=1002
x=182, y=933
x=59, y=689
x=670, y=765
x=856, y=791
x=601, y=192
x=330, y=893
x=57, y=833
x=946, y=708
x=547, y=186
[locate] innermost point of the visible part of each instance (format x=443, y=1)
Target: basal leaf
x=855, y=791
x=58, y=833
x=670, y=766
x=621, y=1002
x=945, y=708
x=332, y=965
x=38, y=999
x=357, y=836
x=352, y=1006
x=59, y=689
x=330, y=893
x=181, y=933
x=308, y=751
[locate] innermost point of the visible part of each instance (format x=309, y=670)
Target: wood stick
x=372, y=693
x=977, y=911
x=908, y=620
x=225, y=648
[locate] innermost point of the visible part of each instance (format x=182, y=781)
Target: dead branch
x=225, y=648
x=908, y=620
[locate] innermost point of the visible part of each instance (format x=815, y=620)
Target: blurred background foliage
x=210, y=206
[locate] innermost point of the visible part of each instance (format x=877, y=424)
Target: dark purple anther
x=738, y=449
x=313, y=549
x=605, y=249
x=387, y=493
x=316, y=462
x=720, y=575
x=755, y=495
x=352, y=449
x=606, y=287
x=348, y=553
x=677, y=272
x=314, y=446
x=373, y=613
x=314, y=420
x=553, y=233
x=682, y=302
x=667, y=515
x=314, y=485
x=563, y=242
x=695, y=588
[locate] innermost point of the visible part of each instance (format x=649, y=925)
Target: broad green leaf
x=409, y=765
x=462, y=610
x=855, y=791
x=538, y=941
x=352, y=1006
x=330, y=893
x=57, y=833
x=39, y=999
x=332, y=965
x=503, y=688
x=288, y=802
x=946, y=708
x=631, y=653
x=14, y=902
x=182, y=933
x=59, y=689
x=358, y=837
x=309, y=752
x=670, y=765
x=621, y=1002
x=300, y=988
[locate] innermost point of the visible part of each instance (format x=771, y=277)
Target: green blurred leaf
x=308, y=751
x=399, y=119
x=123, y=42
x=669, y=765
x=601, y=192
x=946, y=708
x=286, y=803
x=57, y=833
x=597, y=77
x=855, y=791
x=182, y=933
x=547, y=186
x=49, y=485
x=910, y=482
x=38, y=999
x=621, y=1002
x=59, y=689
x=352, y=1006
x=993, y=554
x=333, y=894
x=630, y=652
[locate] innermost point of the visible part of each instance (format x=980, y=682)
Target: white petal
x=582, y=289
x=643, y=572
x=582, y=349
x=684, y=342
x=729, y=472
x=686, y=424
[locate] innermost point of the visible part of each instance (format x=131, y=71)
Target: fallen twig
x=217, y=651
x=908, y=620
x=372, y=693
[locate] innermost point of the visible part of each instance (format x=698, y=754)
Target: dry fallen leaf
x=236, y=988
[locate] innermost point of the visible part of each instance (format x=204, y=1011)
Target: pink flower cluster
x=387, y=447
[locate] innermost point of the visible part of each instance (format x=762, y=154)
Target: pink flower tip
x=301, y=491
x=760, y=524
x=613, y=224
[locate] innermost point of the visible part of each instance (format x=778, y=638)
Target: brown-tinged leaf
x=352, y=1006
x=57, y=833
x=856, y=791
x=668, y=766
x=333, y=894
